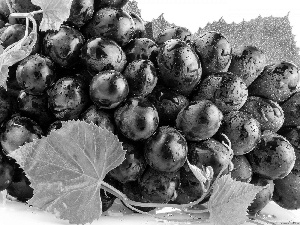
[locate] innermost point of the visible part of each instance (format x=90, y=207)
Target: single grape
x=159, y=187
x=134, y=164
x=166, y=150
x=35, y=74
x=18, y=131
x=100, y=117
x=112, y=23
x=6, y=173
x=63, y=46
x=141, y=77
x=108, y=89
x=67, y=98
x=100, y=54
x=137, y=119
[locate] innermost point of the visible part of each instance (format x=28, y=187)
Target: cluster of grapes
x=167, y=99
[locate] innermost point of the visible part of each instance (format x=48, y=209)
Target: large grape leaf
x=66, y=169
x=55, y=12
x=229, y=201
x=271, y=34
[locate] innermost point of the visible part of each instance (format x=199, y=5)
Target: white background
x=193, y=14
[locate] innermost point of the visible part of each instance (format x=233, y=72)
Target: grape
x=242, y=170
x=103, y=54
x=141, y=48
x=67, y=98
x=108, y=89
x=139, y=27
x=287, y=191
x=81, y=12
x=168, y=104
x=273, y=157
x=63, y=46
x=35, y=107
x=267, y=112
x=199, y=120
x=159, y=187
x=6, y=173
x=277, y=82
x=291, y=111
x=20, y=187
x=132, y=190
x=166, y=150
x=209, y=152
x=99, y=117
x=179, y=66
x=141, y=77
x=226, y=90
x=190, y=187
x=247, y=62
x=242, y=130
x=112, y=23
x=263, y=197
x=169, y=33
x=35, y=74
x=214, y=51
x=17, y=131
x=111, y=3
x=134, y=164
x=5, y=105
x=137, y=119
x=14, y=33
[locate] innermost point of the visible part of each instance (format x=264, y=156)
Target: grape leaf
x=66, y=169
x=55, y=12
x=271, y=34
x=229, y=201
x=15, y=53
x=160, y=24
x=132, y=7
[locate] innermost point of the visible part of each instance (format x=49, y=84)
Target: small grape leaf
x=67, y=167
x=55, y=12
x=132, y=7
x=229, y=201
x=15, y=53
x=160, y=24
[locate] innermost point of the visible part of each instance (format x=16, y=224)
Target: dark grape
x=35, y=74
x=108, y=89
x=134, y=164
x=63, y=46
x=99, y=117
x=168, y=104
x=166, y=150
x=137, y=119
x=141, y=77
x=81, y=12
x=112, y=23
x=18, y=131
x=141, y=48
x=159, y=187
x=67, y=98
x=103, y=54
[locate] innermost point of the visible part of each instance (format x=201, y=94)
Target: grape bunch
x=170, y=100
